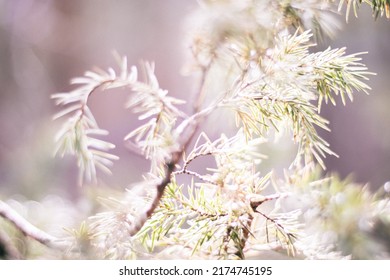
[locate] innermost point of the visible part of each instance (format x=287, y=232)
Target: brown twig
x=184, y=169
x=188, y=134
x=160, y=191
x=191, y=125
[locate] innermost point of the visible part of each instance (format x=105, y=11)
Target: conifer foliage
x=252, y=60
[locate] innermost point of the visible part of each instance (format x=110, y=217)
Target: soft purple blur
x=44, y=43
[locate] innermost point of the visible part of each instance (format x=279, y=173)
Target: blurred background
x=45, y=43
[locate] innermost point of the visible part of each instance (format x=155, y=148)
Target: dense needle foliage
x=252, y=61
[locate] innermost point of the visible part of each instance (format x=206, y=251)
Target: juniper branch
x=187, y=132
x=268, y=78
x=289, y=237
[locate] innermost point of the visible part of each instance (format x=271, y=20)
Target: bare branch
x=160, y=191
x=187, y=133
x=29, y=229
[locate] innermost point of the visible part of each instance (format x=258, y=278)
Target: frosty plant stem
x=29, y=229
